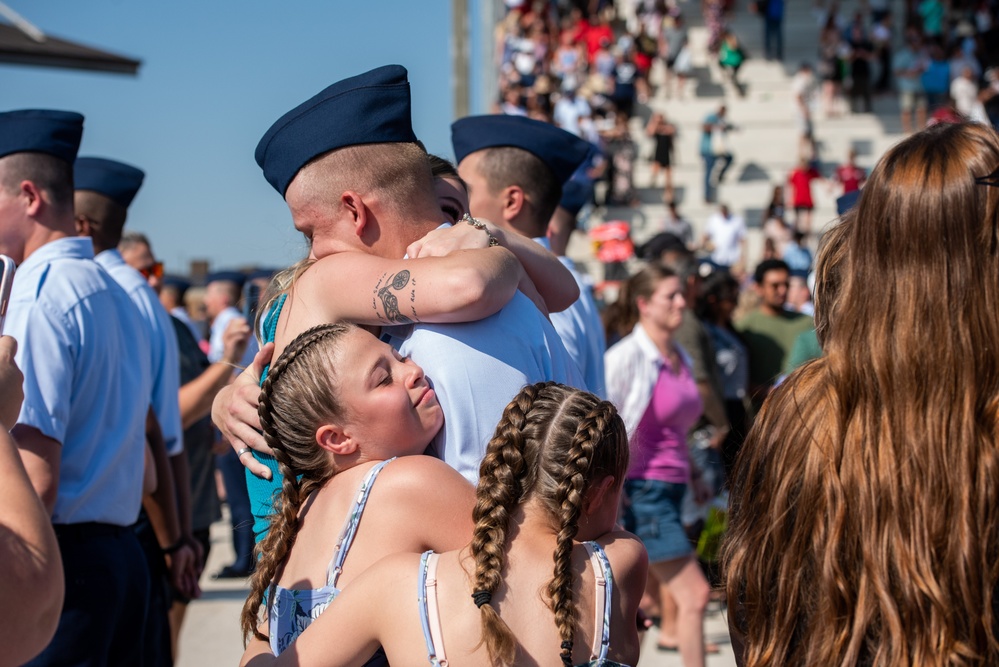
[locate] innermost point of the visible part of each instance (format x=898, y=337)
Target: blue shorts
x=652, y=512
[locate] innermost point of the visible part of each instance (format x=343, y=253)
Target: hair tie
x=482, y=597
x=566, y=653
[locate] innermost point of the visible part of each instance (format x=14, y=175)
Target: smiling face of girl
x=389, y=408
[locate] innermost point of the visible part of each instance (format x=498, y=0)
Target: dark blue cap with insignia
x=370, y=108
x=55, y=133
x=115, y=180
x=562, y=151
x=227, y=276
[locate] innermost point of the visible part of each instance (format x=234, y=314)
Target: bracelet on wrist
x=174, y=548
x=493, y=241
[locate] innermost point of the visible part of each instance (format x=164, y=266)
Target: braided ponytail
x=500, y=490
x=551, y=443
x=289, y=424
x=570, y=495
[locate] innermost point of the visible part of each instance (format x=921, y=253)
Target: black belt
x=87, y=530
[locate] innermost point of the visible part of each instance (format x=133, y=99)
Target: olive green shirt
x=769, y=339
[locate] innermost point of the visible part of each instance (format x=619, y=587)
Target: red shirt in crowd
x=851, y=176
x=800, y=181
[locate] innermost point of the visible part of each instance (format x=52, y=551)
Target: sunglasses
x=155, y=270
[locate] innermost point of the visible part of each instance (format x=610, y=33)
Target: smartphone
x=251, y=300
x=6, y=281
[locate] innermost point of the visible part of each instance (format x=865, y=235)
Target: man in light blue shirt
x=104, y=189
x=515, y=169
x=87, y=381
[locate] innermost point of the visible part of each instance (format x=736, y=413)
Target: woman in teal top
x=546, y=578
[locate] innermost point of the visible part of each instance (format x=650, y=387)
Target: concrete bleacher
x=766, y=144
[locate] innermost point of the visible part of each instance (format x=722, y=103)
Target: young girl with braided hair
x=546, y=578
x=337, y=407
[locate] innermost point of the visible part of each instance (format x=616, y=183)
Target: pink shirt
x=659, y=446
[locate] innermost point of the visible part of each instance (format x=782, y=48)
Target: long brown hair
x=550, y=444
x=298, y=396
x=864, y=519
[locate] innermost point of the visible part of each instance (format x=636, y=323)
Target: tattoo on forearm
x=385, y=294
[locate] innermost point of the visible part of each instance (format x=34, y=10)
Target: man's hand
x=183, y=568
x=234, y=340
x=11, y=380
x=199, y=554
x=234, y=412
x=444, y=241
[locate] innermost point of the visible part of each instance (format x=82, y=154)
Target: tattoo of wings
x=390, y=302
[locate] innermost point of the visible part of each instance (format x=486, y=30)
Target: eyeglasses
x=156, y=269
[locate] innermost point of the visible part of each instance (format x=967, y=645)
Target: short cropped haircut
x=398, y=172
x=505, y=166
x=49, y=173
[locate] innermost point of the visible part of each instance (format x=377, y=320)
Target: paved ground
x=765, y=149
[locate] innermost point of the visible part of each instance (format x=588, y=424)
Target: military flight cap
x=46, y=131
x=227, y=276
x=562, y=151
x=370, y=108
x=115, y=180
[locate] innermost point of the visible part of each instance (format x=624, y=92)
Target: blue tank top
x=290, y=612
x=262, y=492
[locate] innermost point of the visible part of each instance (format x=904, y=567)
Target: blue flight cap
x=115, y=180
x=562, y=151
x=177, y=283
x=575, y=194
x=370, y=108
x=55, y=133
x=256, y=274
x=228, y=276
x=846, y=202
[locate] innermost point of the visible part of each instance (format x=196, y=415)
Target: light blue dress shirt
x=477, y=368
x=216, y=345
x=582, y=331
x=85, y=357
x=163, y=344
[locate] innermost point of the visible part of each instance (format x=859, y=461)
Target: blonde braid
x=289, y=435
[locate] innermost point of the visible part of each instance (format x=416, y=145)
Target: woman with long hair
x=649, y=376
x=546, y=579
x=864, y=520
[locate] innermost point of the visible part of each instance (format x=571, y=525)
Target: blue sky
x=215, y=75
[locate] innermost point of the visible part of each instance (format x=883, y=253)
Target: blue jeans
x=773, y=38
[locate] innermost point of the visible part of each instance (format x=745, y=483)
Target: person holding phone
x=81, y=428
x=104, y=190
x=222, y=297
x=32, y=572
x=6, y=282
x=222, y=294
